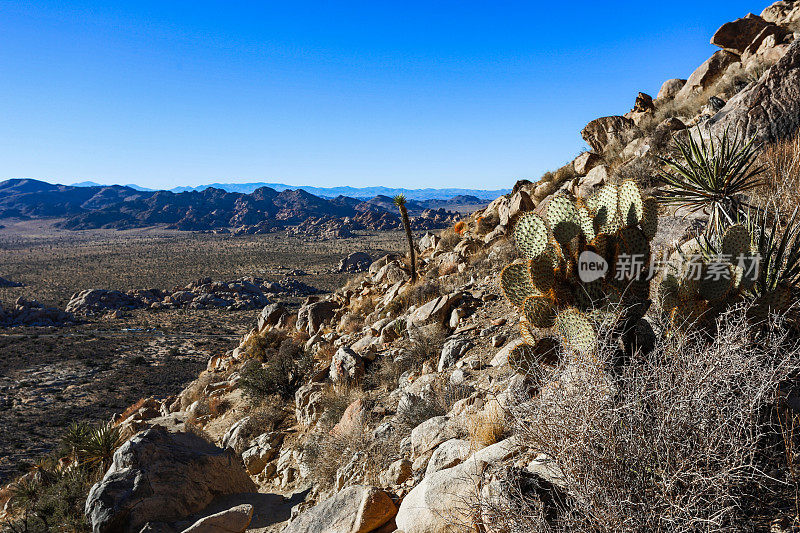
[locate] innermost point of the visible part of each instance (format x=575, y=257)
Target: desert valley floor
x=50, y=377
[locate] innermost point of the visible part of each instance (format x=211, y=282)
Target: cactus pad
x=716, y=283
x=649, y=221
x=576, y=330
x=587, y=224
x=530, y=234
x=516, y=283
x=606, y=209
x=630, y=203
x=565, y=222
x=539, y=311
x=736, y=242
x=527, y=333
x=542, y=273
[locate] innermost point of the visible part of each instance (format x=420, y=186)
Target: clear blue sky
x=412, y=94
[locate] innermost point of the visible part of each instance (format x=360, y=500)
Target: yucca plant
x=712, y=176
x=99, y=447
x=777, y=241
x=400, y=202
x=75, y=438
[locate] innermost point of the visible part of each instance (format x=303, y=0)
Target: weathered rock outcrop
x=770, y=108
x=707, y=73
x=356, y=509
x=162, y=477
x=32, y=313
x=738, y=35
x=603, y=131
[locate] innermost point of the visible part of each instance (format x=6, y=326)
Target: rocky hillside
x=263, y=210
x=466, y=401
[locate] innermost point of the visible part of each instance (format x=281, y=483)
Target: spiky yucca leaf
x=711, y=176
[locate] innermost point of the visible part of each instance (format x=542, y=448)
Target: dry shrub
x=352, y=322
x=218, y=406
x=485, y=224
x=264, y=344
x=782, y=161
x=362, y=306
x=267, y=416
x=195, y=390
x=131, y=410
x=683, y=439
x=449, y=239
x=447, y=268
x=326, y=451
x=488, y=426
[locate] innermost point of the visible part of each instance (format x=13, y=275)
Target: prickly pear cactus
x=561, y=298
x=709, y=277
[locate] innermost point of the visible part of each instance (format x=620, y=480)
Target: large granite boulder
x=706, y=74
x=356, y=509
x=736, y=36
x=770, y=108
x=158, y=476
x=603, y=131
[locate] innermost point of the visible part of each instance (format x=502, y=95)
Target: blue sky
x=410, y=94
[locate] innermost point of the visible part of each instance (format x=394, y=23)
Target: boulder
x=316, y=314
x=346, y=366
x=707, y=73
x=770, y=108
x=430, y=434
x=352, y=419
x=501, y=357
x=158, y=476
x=309, y=401
x=355, y=262
x=453, y=350
x=428, y=241
x=603, y=131
x=643, y=103
x=238, y=435
x=396, y=473
x=391, y=273
x=596, y=178
x=766, y=49
x=356, y=509
x=586, y=162
x=449, y=454
x=519, y=203
x=435, y=310
x=738, y=35
x=669, y=89
x=783, y=12
x=264, y=449
x=271, y=315
x=233, y=520
x=440, y=503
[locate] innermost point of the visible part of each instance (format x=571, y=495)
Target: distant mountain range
x=360, y=193
x=264, y=209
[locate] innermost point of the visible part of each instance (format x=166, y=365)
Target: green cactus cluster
x=546, y=286
x=707, y=276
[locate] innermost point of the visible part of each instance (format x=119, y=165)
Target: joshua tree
x=400, y=202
